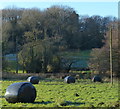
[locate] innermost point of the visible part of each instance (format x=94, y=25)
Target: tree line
x=100, y=60
x=37, y=37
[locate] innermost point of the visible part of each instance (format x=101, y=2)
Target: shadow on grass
x=67, y=103
x=74, y=103
x=43, y=102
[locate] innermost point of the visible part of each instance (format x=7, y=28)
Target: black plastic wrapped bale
x=69, y=79
x=33, y=79
x=23, y=92
x=96, y=79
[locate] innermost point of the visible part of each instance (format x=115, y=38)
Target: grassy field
x=56, y=93
x=81, y=57
x=78, y=53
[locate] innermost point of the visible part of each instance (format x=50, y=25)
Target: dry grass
x=22, y=76
x=43, y=76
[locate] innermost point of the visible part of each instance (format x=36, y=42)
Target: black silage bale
x=23, y=92
x=33, y=79
x=69, y=79
x=96, y=79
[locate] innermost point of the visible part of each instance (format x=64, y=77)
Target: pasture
x=56, y=93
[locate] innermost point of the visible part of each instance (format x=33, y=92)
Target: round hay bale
x=69, y=79
x=23, y=92
x=33, y=79
x=96, y=79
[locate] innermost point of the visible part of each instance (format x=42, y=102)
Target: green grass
x=81, y=57
x=19, y=71
x=76, y=53
x=56, y=93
